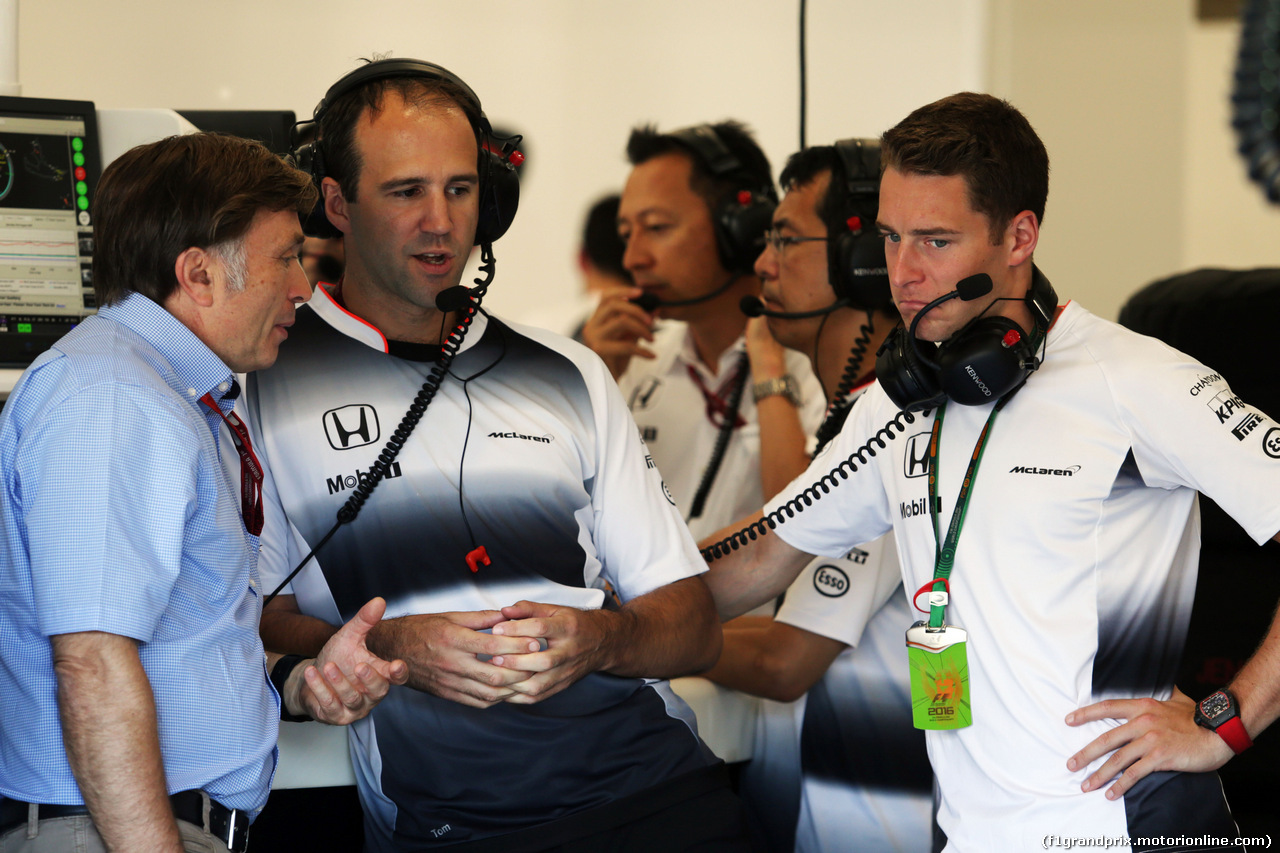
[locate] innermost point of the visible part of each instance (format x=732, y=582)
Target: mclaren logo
x=544, y=439
x=1048, y=472
x=348, y=427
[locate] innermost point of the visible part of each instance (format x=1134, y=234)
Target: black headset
x=982, y=362
x=742, y=215
x=499, y=183
x=855, y=250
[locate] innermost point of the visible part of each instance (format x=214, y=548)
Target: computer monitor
x=270, y=127
x=49, y=169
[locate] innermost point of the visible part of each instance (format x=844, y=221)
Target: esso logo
x=1271, y=443
x=830, y=581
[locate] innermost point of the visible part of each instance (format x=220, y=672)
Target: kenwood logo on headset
x=349, y=427
x=343, y=482
x=982, y=386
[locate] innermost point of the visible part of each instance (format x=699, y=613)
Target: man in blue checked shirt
x=138, y=712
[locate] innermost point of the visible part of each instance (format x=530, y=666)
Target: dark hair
x=158, y=200
x=806, y=166
x=754, y=172
x=600, y=240
x=338, y=122
x=982, y=138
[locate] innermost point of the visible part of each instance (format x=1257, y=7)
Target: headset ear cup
x=309, y=158
x=911, y=384
x=984, y=362
x=499, y=198
x=862, y=274
x=741, y=222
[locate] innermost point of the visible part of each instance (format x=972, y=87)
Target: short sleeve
x=108, y=481
x=640, y=538
x=837, y=597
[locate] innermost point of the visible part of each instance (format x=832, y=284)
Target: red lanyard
x=250, y=468
x=718, y=400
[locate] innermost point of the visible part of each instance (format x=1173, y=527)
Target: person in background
x=323, y=259
x=724, y=424
x=600, y=263
x=840, y=760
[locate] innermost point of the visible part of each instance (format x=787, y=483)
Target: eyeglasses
x=779, y=242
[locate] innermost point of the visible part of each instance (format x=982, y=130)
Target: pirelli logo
x=1246, y=426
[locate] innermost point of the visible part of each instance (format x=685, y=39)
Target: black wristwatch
x=279, y=675
x=1220, y=712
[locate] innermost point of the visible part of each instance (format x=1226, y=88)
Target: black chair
x=1227, y=319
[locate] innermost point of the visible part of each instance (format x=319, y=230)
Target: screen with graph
x=49, y=168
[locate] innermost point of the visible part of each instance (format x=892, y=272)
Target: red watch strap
x=1233, y=732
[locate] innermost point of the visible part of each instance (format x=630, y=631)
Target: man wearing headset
x=1053, y=519
x=505, y=524
x=843, y=761
x=692, y=215
x=137, y=711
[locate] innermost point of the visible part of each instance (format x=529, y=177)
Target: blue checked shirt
x=119, y=517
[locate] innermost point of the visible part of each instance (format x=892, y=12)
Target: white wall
x=1103, y=83
x=574, y=75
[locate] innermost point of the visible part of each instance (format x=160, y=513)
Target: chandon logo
x=1052, y=472
x=545, y=439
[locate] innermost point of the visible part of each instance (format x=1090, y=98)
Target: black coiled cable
x=839, y=408
x=813, y=493
x=448, y=349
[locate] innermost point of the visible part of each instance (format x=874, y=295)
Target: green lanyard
x=945, y=555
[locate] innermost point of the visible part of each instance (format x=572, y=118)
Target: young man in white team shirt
x=1075, y=569
x=840, y=759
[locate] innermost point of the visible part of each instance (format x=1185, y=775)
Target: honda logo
x=916, y=460
x=351, y=426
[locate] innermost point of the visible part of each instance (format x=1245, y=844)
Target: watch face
x=1214, y=706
